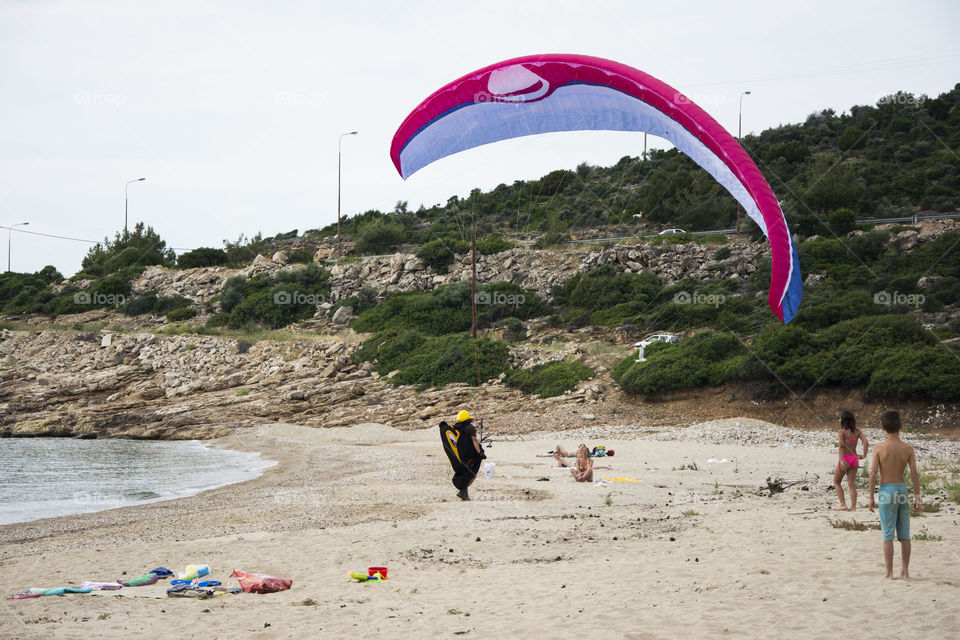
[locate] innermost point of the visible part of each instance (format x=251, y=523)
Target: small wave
x=141, y=495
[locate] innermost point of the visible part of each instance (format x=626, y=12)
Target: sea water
x=48, y=477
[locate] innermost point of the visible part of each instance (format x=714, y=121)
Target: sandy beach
x=702, y=556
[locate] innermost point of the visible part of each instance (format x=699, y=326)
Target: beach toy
x=371, y=571
x=359, y=577
x=194, y=571
x=611, y=452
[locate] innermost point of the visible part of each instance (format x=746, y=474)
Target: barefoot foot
x=840, y=509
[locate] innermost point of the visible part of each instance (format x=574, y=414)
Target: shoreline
x=253, y=468
x=704, y=554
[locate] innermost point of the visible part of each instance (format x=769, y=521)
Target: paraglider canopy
x=559, y=92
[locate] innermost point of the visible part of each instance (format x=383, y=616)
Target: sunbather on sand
x=583, y=472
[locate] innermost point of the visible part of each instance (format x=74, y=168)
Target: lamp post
x=9, y=233
x=126, y=198
x=339, y=155
x=739, y=136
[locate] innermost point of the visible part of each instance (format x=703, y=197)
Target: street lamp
x=125, y=199
x=740, y=116
x=739, y=136
x=9, y=232
x=339, y=154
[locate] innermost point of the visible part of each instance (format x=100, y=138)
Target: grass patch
x=243, y=392
x=853, y=525
x=690, y=512
x=952, y=488
x=927, y=536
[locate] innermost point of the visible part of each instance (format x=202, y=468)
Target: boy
x=891, y=457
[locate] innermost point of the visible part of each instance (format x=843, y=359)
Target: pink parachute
x=557, y=92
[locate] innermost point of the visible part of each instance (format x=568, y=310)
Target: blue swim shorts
x=894, y=511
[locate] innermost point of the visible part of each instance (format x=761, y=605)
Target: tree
x=142, y=247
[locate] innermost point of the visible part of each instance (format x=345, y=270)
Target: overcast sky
x=232, y=109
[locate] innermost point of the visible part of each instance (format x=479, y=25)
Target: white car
x=670, y=232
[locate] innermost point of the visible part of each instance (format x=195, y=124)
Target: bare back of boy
x=893, y=457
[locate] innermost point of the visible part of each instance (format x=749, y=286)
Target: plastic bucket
x=371, y=571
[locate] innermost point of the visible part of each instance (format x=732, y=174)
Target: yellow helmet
x=464, y=416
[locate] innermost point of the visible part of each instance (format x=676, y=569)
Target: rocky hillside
x=125, y=377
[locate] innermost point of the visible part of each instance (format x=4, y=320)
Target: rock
x=280, y=257
x=343, y=316
x=107, y=340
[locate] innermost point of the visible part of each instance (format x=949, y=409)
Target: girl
x=583, y=472
x=849, y=461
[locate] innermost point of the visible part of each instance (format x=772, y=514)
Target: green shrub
x=300, y=256
x=491, y=245
x=429, y=361
x=438, y=254
x=379, y=238
x=722, y=253
x=708, y=358
x=202, y=257
x=181, y=314
x=549, y=379
x=446, y=309
x=276, y=300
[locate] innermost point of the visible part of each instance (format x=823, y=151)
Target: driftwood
x=779, y=485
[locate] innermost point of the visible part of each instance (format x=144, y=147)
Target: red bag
x=259, y=583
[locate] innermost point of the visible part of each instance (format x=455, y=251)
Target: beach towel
x=623, y=480
x=162, y=572
x=149, y=578
x=101, y=586
x=57, y=591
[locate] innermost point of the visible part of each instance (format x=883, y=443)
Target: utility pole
x=473, y=261
x=739, y=137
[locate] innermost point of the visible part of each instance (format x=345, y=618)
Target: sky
x=232, y=110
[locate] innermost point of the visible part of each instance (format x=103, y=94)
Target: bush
x=446, y=309
x=491, y=245
x=181, y=314
x=549, y=379
x=381, y=237
x=276, y=300
x=708, y=358
x=428, y=361
x=300, y=256
x=202, y=257
x=438, y=254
